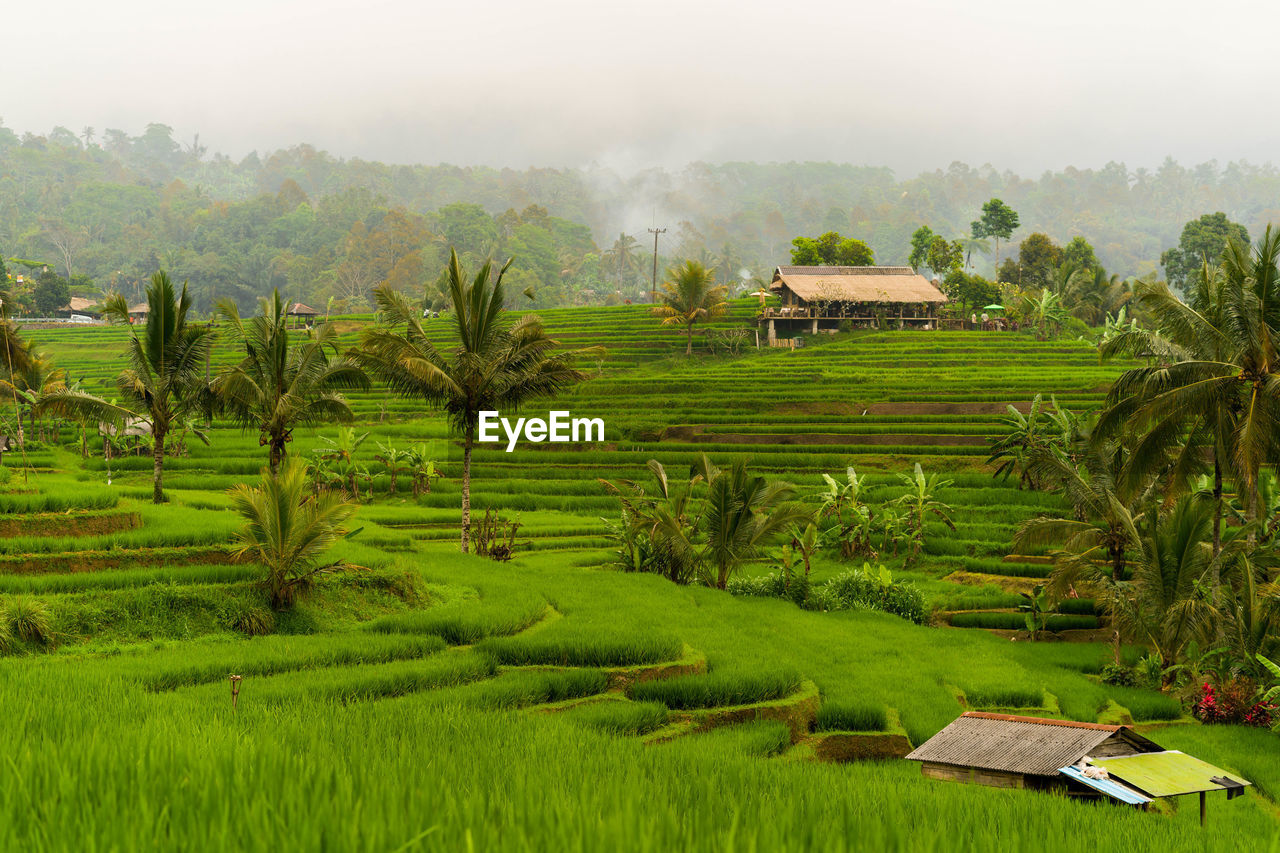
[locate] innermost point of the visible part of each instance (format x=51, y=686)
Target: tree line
x=104, y=210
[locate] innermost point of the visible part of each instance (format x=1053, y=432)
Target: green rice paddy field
x=432, y=701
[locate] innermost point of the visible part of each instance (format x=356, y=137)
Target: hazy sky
x=1021, y=84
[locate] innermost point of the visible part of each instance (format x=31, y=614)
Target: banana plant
x=1035, y=610
x=394, y=459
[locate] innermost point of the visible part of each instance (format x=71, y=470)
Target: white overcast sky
x=1021, y=84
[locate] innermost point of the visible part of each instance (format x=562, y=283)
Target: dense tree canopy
x=1203, y=241
x=105, y=210
x=831, y=250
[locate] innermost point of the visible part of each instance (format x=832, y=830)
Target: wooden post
x=1202, y=798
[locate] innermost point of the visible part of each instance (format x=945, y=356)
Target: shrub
x=875, y=590
x=853, y=589
x=1119, y=675
x=27, y=619
x=851, y=717
x=798, y=590
x=1233, y=702
x=255, y=621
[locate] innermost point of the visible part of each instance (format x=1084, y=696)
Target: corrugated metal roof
x=1012, y=744
x=1167, y=774
x=857, y=284
x=1110, y=787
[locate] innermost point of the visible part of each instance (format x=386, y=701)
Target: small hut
x=82, y=309
x=816, y=298
x=1087, y=760
x=303, y=313
x=139, y=311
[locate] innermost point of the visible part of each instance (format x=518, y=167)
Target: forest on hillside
x=106, y=210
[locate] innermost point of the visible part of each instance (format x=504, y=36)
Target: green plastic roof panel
x=1167, y=774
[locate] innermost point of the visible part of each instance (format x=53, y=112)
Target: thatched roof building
x=297, y=309
x=893, y=285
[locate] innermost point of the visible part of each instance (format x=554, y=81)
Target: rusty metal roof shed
x=1029, y=745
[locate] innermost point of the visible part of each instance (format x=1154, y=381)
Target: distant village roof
x=80, y=305
x=297, y=309
x=140, y=308
x=1012, y=744
x=857, y=284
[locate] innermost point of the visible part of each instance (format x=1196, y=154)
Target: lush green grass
x=358, y=719
x=852, y=717
x=1146, y=705
x=718, y=688
x=621, y=718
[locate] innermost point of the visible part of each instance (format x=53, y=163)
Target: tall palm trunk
x=466, y=487
x=276, y=453
x=157, y=475
x=1116, y=553
x=1215, y=566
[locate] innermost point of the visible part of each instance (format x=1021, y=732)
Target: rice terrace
x=578, y=452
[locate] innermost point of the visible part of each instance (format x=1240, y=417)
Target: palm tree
x=690, y=296
x=1169, y=575
x=1104, y=529
x=623, y=257
x=37, y=377
x=742, y=513
x=1025, y=433
x=1094, y=295
x=658, y=531
x=164, y=381
x=974, y=244
x=1217, y=386
x=288, y=530
x=1094, y=546
x=495, y=364
x=17, y=355
x=276, y=387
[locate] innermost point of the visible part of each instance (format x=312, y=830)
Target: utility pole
x=653, y=292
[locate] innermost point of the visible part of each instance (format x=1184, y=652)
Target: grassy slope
x=310, y=760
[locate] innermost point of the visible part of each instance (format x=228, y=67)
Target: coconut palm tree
x=1217, y=385
x=287, y=529
x=623, y=257
x=690, y=296
x=277, y=387
x=164, y=381
x=1094, y=546
x=25, y=387
x=17, y=355
x=742, y=513
x=974, y=244
x=1104, y=529
x=496, y=363
x=1024, y=434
